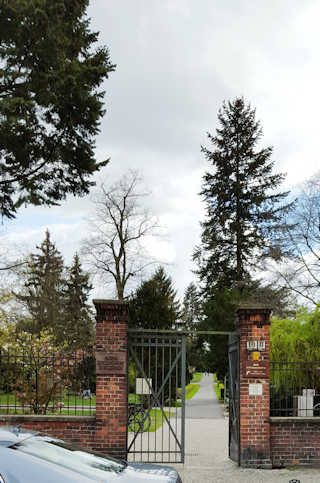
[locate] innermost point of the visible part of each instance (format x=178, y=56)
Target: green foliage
x=218, y=386
x=242, y=208
x=296, y=340
x=191, y=310
x=41, y=370
x=154, y=304
x=219, y=314
x=78, y=329
x=42, y=290
x=191, y=390
x=51, y=103
x=196, y=377
x=295, y=352
x=55, y=298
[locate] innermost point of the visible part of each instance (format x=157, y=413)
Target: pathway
x=207, y=447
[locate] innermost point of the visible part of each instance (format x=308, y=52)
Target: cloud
x=177, y=60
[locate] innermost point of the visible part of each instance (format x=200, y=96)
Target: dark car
x=30, y=457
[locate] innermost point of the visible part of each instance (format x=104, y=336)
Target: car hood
x=150, y=472
x=10, y=435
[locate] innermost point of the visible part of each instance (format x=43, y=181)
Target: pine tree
x=78, y=326
x=243, y=210
x=43, y=288
x=51, y=101
x=192, y=308
x=154, y=304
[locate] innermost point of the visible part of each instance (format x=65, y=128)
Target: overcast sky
x=177, y=60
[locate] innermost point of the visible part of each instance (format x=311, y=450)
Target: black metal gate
x=234, y=368
x=156, y=391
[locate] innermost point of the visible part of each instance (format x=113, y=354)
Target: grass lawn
x=134, y=399
x=71, y=400
x=197, y=376
x=157, y=419
x=191, y=390
x=64, y=412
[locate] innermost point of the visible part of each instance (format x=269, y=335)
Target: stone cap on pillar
x=253, y=313
x=111, y=310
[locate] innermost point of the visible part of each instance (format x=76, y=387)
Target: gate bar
x=181, y=332
x=183, y=395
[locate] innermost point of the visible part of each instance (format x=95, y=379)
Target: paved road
x=206, y=447
x=204, y=405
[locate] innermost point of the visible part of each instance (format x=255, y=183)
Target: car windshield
x=56, y=451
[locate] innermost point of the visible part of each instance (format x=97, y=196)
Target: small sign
x=256, y=345
x=255, y=356
x=142, y=386
x=255, y=389
x=110, y=364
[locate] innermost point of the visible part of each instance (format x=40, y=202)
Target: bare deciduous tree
x=299, y=270
x=114, y=249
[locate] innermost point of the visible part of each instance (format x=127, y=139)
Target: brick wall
x=111, y=377
x=105, y=432
x=254, y=427
x=295, y=442
x=75, y=429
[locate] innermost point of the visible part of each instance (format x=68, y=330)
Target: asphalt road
x=206, y=447
x=204, y=405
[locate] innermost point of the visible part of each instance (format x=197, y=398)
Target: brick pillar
x=111, y=377
x=254, y=331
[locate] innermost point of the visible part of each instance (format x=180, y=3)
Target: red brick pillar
x=254, y=330
x=111, y=377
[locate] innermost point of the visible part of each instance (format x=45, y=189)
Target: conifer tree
x=51, y=101
x=243, y=208
x=154, y=304
x=43, y=288
x=78, y=327
x=191, y=310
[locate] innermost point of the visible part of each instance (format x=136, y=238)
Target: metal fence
x=40, y=382
x=295, y=389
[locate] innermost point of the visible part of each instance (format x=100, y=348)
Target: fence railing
x=295, y=389
x=50, y=383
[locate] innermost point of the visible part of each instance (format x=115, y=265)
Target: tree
x=243, y=210
x=43, y=289
x=78, y=326
x=114, y=250
x=51, y=103
x=192, y=308
x=298, y=269
x=154, y=304
x=219, y=314
x=294, y=349
x=55, y=298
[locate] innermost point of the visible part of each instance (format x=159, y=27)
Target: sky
x=177, y=61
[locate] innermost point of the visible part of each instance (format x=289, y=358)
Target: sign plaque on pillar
x=113, y=363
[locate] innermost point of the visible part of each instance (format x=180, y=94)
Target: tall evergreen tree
x=51, y=102
x=243, y=208
x=43, y=288
x=154, y=304
x=192, y=307
x=78, y=327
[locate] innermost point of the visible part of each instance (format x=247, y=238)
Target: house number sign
x=256, y=345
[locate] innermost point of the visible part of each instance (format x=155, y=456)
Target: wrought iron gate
x=234, y=363
x=156, y=388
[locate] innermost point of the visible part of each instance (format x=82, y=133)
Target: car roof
x=10, y=435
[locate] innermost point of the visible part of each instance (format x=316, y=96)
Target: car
x=32, y=457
